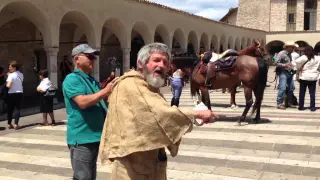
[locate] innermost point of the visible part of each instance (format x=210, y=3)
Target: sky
x=212, y=9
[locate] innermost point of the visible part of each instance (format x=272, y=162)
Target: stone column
x=52, y=63
x=126, y=59
x=300, y=15
x=96, y=68
x=318, y=16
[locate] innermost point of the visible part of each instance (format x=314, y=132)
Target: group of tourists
x=302, y=66
x=11, y=94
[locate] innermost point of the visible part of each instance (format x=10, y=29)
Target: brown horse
x=248, y=69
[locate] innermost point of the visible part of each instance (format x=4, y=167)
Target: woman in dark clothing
x=46, y=103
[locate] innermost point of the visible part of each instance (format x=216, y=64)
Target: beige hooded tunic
x=140, y=124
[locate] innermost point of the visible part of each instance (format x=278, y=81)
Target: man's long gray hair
x=147, y=50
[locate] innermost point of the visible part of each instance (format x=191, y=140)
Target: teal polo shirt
x=84, y=125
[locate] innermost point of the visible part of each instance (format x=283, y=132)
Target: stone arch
x=140, y=35
x=230, y=43
x=25, y=33
x=142, y=29
x=76, y=21
x=317, y=48
x=223, y=44
x=274, y=47
x=113, y=39
x=178, y=40
x=193, y=45
x=302, y=43
x=75, y=28
x=162, y=35
x=238, y=44
x=243, y=43
x=214, y=43
x=204, y=43
x=30, y=12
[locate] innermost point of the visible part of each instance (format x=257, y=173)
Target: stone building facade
x=41, y=33
x=283, y=20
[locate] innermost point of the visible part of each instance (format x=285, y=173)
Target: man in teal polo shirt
x=86, y=112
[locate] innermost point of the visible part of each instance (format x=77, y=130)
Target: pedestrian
x=3, y=78
x=141, y=123
x=308, y=73
x=176, y=84
x=86, y=112
x=46, y=101
x=285, y=71
x=14, y=83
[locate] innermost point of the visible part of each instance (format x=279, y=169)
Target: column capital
x=52, y=50
x=126, y=50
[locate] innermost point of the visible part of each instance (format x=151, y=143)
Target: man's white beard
x=156, y=82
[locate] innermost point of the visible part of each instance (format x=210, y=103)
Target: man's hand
x=107, y=90
x=288, y=66
x=205, y=115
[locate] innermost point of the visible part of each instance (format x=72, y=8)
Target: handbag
x=299, y=71
x=51, y=92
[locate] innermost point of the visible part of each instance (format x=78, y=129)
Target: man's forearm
x=86, y=101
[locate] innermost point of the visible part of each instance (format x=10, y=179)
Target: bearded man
x=140, y=123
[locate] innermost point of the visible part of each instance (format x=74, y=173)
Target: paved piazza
x=284, y=146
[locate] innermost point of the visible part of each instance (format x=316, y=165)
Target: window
x=291, y=15
x=291, y=18
x=310, y=14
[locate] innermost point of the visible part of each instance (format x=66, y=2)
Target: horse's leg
x=233, y=97
x=206, y=97
x=249, y=102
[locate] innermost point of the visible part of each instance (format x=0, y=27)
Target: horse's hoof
x=238, y=123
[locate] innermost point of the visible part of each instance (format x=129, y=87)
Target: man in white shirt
x=14, y=83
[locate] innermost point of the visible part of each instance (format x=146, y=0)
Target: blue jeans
x=84, y=160
x=285, y=78
x=176, y=84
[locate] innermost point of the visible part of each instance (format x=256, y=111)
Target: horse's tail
x=262, y=81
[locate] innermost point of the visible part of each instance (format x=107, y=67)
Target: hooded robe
x=139, y=125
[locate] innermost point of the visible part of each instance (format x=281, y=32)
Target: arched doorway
x=238, y=44
x=140, y=35
x=214, y=43
x=223, y=44
x=192, y=48
x=243, y=43
x=23, y=33
x=317, y=48
x=178, y=41
x=75, y=29
x=302, y=44
x=112, y=39
x=204, y=43
x=274, y=47
x=162, y=35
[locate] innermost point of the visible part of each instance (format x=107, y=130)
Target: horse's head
x=260, y=50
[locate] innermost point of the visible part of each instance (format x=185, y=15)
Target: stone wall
x=254, y=14
x=278, y=15
x=300, y=15
x=318, y=16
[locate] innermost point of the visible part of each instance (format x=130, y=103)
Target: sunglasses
x=90, y=56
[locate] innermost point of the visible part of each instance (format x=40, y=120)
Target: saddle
x=218, y=63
